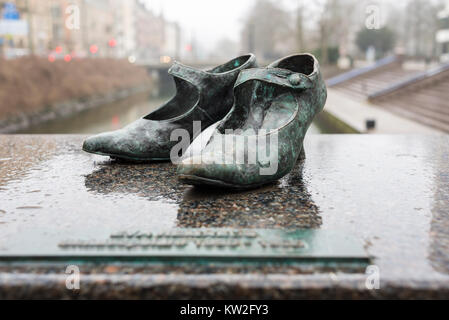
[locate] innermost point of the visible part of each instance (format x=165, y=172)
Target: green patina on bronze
x=282, y=99
x=205, y=96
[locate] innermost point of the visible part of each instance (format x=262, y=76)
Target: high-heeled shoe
x=205, y=96
x=273, y=108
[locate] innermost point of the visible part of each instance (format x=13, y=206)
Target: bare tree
x=421, y=25
x=267, y=30
x=334, y=23
x=300, y=27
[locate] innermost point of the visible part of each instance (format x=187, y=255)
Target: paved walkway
x=355, y=113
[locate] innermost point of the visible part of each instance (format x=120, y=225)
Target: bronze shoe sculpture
x=273, y=109
x=205, y=96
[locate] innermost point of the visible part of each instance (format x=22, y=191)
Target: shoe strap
x=193, y=76
x=281, y=77
x=189, y=74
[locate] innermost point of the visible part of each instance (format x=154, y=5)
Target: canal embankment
x=351, y=94
x=34, y=90
x=345, y=114
x=94, y=95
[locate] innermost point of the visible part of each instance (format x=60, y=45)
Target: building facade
x=442, y=36
x=96, y=28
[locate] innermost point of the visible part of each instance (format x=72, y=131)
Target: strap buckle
x=281, y=77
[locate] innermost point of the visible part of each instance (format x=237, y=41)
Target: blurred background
x=86, y=66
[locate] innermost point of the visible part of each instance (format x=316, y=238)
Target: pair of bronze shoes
x=264, y=114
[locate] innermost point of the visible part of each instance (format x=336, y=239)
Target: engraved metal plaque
x=192, y=245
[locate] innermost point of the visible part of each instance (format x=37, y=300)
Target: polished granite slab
x=389, y=191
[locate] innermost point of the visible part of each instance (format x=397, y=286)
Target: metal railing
x=360, y=71
x=406, y=82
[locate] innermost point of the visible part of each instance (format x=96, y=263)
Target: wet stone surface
x=283, y=205
x=390, y=192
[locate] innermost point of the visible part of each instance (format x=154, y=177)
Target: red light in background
x=67, y=58
x=115, y=121
x=93, y=49
x=58, y=49
x=51, y=58
x=112, y=43
x=189, y=47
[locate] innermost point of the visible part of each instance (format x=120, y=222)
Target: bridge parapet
x=385, y=62
x=419, y=80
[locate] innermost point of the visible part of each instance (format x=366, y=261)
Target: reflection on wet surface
x=389, y=191
x=152, y=181
x=17, y=156
x=285, y=204
x=54, y=190
x=382, y=189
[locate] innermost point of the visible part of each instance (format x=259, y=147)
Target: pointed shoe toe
x=227, y=176
x=214, y=167
x=114, y=144
x=273, y=109
x=99, y=144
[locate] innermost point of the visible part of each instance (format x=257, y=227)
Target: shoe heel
x=302, y=154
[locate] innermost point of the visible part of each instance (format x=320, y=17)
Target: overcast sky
x=208, y=20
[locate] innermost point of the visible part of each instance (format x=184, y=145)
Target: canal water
x=108, y=117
